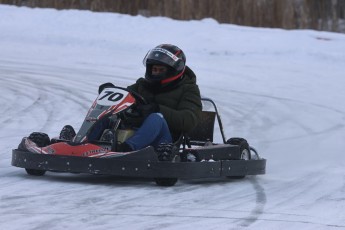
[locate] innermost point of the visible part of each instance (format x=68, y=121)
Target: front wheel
x=41, y=140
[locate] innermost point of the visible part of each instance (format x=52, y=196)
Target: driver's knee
x=156, y=117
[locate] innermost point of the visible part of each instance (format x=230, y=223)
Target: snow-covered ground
x=282, y=90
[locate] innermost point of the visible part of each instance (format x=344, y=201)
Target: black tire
x=166, y=182
x=41, y=140
x=166, y=153
x=244, y=152
x=244, y=147
x=35, y=172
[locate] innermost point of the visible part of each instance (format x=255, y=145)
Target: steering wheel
x=136, y=95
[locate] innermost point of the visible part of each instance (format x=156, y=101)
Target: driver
x=174, y=103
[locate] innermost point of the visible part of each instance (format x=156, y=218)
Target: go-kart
x=193, y=155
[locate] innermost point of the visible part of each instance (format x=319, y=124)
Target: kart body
x=192, y=156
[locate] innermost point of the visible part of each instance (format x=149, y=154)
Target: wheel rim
x=245, y=155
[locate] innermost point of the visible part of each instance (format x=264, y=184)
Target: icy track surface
x=282, y=90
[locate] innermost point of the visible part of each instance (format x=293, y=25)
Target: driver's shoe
x=124, y=147
x=107, y=136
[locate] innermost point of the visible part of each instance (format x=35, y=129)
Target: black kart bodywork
x=144, y=163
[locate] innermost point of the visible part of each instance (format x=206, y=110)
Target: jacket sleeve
x=188, y=112
x=133, y=87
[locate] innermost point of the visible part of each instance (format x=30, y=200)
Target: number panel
x=111, y=97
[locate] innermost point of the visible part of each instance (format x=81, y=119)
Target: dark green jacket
x=179, y=103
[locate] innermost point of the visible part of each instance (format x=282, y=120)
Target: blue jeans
x=153, y=131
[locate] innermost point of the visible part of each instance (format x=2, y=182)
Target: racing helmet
x=166, y=55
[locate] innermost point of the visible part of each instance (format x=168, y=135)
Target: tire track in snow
x=43, y=96
x=260, y=203
x=179, y=219
x=247, y=113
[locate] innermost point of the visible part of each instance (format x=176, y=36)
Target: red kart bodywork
x=68, y=149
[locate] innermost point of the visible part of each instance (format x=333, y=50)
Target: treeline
x=326, y=15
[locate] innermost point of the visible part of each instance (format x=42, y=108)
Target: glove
x=105, y=85
x=145, y=110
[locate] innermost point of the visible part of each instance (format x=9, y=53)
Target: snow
x=282, y=90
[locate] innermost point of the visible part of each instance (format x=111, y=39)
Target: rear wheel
x=35, y=172
x=41, y=140
x=166, y=182
x=244, y=151
x=165, y=152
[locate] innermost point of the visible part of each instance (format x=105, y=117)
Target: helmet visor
x=165, y=57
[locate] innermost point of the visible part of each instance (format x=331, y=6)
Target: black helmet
x=167, y=55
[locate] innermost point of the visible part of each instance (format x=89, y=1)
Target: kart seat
x=202, y=133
